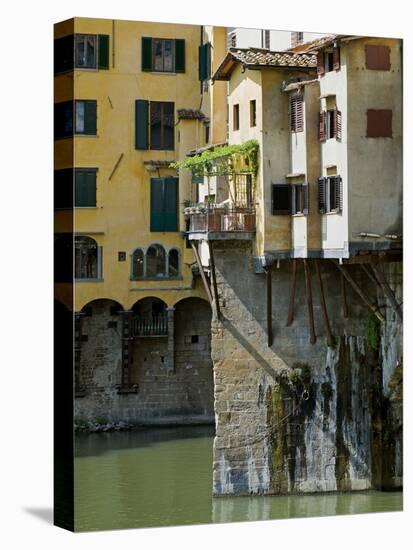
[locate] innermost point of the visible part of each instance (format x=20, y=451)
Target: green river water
x=163, y=476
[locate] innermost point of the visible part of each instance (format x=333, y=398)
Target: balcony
x=151, y=326
x=220, y=221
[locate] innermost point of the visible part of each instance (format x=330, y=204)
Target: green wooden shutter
x=146, y=53
x=157, y=202
x=179, y=55
x=170, y=204
x=103, y=51
x=90, y=117
x=141, y=124
x=207, y=47
x=85, y=188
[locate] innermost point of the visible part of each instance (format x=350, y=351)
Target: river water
x=163, y=476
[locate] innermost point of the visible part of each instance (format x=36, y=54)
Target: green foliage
x=225, y=160
x=373, y=331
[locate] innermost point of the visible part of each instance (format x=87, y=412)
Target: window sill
x=89, y=69
x=159, y=279
x=86, y=207
x=86, y=135
x=299, y=215
x=88, y=280
x=168, y=73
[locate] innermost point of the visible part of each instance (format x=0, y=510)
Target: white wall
x=279, y=40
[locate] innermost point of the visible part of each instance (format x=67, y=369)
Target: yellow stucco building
x=130, y=99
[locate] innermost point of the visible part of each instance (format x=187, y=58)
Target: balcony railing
x=212, y=217
x=150, y=326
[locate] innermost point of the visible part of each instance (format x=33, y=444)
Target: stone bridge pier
x=298, y=416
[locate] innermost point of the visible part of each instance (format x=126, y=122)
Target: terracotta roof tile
x=258, y=57
x=191, y=114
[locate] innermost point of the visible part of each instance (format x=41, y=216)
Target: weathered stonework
x=168, y=383
x=298, y=417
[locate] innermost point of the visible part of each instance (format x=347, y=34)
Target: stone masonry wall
x=182, y=393
x=298, y=417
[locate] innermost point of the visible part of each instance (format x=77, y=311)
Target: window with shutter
x=163, y=55
x=330, y=194
x=85, y=187
x=164, y=204
x=379, y=123
x=281, y=199
x=85, y=117
x=296, y=113
x=162, y=125
x=86, y=51
x=377, y=57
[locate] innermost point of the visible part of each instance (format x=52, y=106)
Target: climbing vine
x=225, y=160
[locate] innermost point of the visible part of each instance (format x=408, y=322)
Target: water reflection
x=161, y=477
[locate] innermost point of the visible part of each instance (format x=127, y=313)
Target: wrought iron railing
x=150, y=326
x=210, y=217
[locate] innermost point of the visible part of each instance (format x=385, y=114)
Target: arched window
x=173, y=263
x=156, y=261
x=86, y=258
x=138, y=264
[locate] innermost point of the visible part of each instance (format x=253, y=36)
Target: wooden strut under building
x=269, y=306
x=388, y=292
x=344, y=307
x=359, y=291
x=214, y=279
x=201, y=271
x=292, y=294
x=330, y=338
x=307, y=275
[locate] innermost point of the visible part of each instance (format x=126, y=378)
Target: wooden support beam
x=330, y=338
x=269, y=306
x=388, y=292
x=370, y=274
x=292, y=294
x=360, y=292
x=214, y=279
x=344, y=307
x=307, y=275
x=201, y=271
